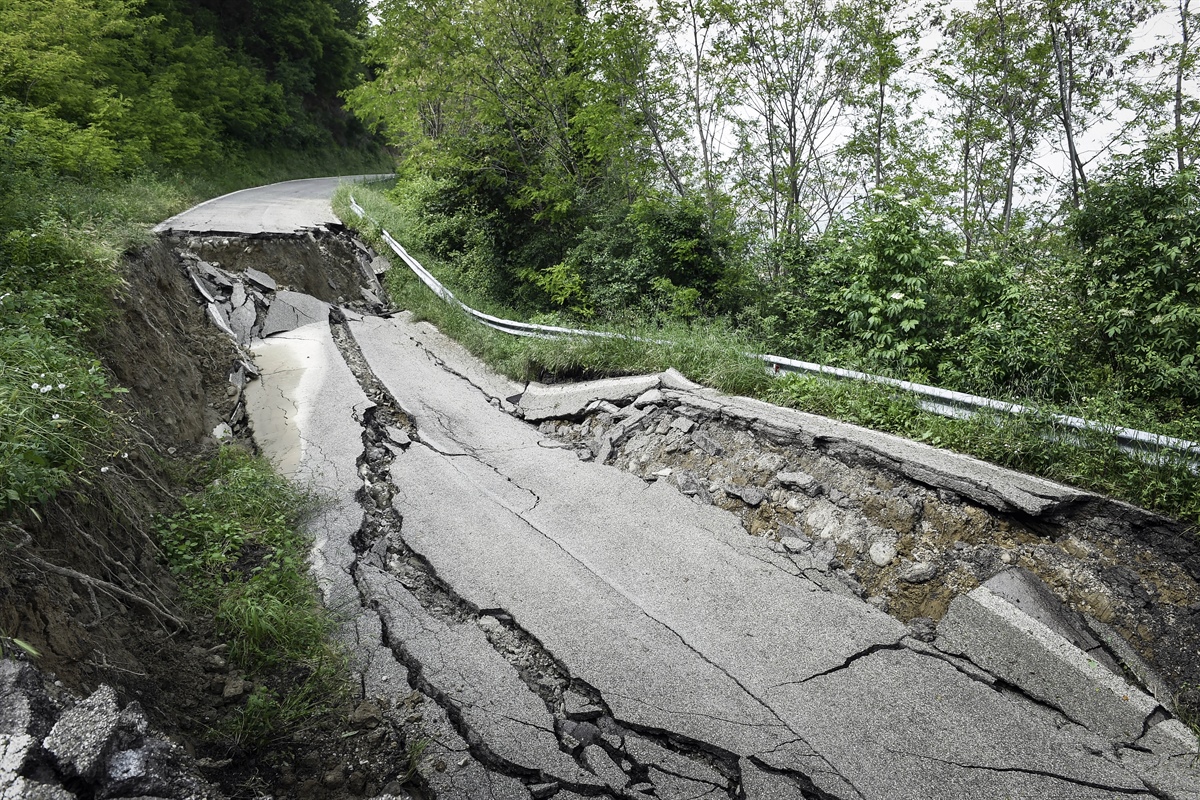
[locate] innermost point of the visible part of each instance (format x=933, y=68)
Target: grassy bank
x=713, y=354
x=237, y=549
x=233, y=543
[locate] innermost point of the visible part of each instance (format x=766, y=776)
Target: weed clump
x=240, y=556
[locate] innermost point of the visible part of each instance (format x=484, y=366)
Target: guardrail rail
x=958, y=405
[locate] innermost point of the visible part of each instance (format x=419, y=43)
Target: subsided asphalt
x=579, y=631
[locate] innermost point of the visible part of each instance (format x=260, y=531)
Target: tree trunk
x=1066, y=91
x=1185, y=33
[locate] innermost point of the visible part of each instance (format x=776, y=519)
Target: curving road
x=285, y=207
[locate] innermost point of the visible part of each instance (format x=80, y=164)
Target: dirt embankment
x=82, y=579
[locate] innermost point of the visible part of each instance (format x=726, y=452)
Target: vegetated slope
x=860, y=187
x=113, y=116
x=174, y=569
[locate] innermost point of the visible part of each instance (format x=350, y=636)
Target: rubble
x=93, y=747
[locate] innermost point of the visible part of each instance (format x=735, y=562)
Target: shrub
x=240, y=556
x=1139, y=272
x=888, y=253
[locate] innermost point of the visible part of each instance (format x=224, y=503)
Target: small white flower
x=62, y=386
x=45, y=388
x=104, y=469
x=56, y=416
x=896, y=295
x=124, y=455
x=35, y=386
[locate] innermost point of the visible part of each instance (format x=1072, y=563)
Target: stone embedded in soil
x=366, y=715
x=801, y=481
x=683, y=425
x=919, y=572
x=923, y=629
x=750, y=495
x=795, y=544
x=882, y=553
x=235, y=686
x=691, y=486
x=335, y=778
x=707, y=443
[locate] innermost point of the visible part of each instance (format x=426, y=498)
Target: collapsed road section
x=641, y=588
x=578, y=630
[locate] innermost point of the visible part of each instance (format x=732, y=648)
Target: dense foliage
x=929, y=192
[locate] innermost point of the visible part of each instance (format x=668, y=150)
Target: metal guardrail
x=947, y=403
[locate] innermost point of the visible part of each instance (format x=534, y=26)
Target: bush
x=1139, y=272
x=1006, y=325
x=241, y=558
x=888, y=254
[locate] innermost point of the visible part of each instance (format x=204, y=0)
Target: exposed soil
x=854, y=525
x=83, y=580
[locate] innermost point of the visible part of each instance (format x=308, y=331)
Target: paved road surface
x=581, y=632
x=278, y=208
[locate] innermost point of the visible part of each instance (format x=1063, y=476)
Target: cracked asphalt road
x=578, y=632
x=642, y=621
x=285, y=207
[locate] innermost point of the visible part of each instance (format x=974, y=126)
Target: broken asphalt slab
x=567, y=518
x=680, y=627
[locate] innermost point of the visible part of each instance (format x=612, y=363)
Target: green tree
x=696, y=49
x=882, y=40
x=995, y=66
x=789, y=57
